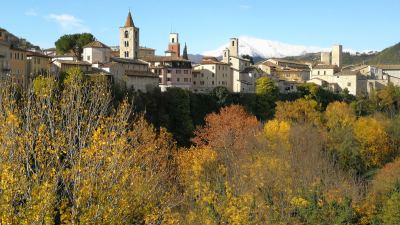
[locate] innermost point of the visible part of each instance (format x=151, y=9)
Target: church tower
x=234, y=47
x=174, y=46
x=129, y=39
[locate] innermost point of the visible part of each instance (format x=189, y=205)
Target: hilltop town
x=138, y=68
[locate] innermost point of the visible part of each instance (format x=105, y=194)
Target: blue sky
x=207, y=24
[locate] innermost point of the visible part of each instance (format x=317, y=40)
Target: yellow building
x=18, y=66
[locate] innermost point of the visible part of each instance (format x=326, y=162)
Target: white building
x=96, y=52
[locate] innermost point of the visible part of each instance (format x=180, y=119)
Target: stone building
x=211, y=73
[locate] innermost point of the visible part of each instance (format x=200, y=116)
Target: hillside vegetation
x=71, y=153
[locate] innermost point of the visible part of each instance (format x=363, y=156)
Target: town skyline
x=53, y=20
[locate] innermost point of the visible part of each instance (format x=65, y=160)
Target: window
x=88, y=57
x=212, y=82
x=194, y=82
x=173, y=40
x=233, y=43
x=169, y=71
x=195, y=75
x=185, y=79
x=201, y=82
x=348, y=84
x=318, y=72
x=126, y=54
x=212, y=74
x=212, y=67
x=324, y=72
x=177, y=79
x=185, y=72
x=168, y=79
x=126, y=43
x=178, y=71
x=126, y=34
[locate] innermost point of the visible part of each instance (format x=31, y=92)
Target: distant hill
x=21, y=42
x=389, y=55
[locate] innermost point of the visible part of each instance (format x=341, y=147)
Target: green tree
x=180, y=123
x=391, y=210
x=267, y=93
x=74, y=43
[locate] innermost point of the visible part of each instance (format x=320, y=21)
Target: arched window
x=126, y=34
x=233, y=43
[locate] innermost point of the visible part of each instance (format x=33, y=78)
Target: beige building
x=129, y=40
x=353, y=81
x=4, y=55
x=18, y=66
x=285, y=70
x=62, y=66
x=38, y=64
x=211, y=73
x=96, y=52
x=132, y=74
x=146, y=52
x=326, y=58
x=322, y=70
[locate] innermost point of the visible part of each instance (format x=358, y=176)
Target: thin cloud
x=68, y=22
x=245, y=6
x=31, y=12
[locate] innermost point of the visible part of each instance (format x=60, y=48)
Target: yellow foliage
x=339, y=114
x=374, y=140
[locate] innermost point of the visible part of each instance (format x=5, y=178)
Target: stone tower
x=226, y=56
x=337, y=55
x=234, y=47
x=326, y=58
x=129, y=39
x=174, y=46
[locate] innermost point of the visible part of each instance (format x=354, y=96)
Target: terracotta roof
x=95, y=44
x=69, y=62
x=347, y=73
x=137, y=73
x=211, y=61
x=145, y=48
x=389, y=67
x=38, y=54
x=325, y=67
x=127, y=61
x=163, y=59
x=129, y=20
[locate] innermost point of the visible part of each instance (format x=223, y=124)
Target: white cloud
x=69, y=22
x=245, y=6
x=31, y=12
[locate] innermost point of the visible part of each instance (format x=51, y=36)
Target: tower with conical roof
x=129, y=39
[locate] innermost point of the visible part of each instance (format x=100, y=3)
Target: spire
x=129, y=20
x=185, y=54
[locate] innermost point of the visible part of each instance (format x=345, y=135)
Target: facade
x=4, y=55
x=96, y=52
x=129, y=40
x=326, y=58
x=211, y=73
x=38, y=64
x=337, y=55
x=354, y=82
x=132, y=74
x=18, y=66
x=61, y=66
x=322, y=70
x=247, y=79
x=285, y=70
x=171, y=71
x=146, y=52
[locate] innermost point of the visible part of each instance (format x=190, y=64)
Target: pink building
x=172, y=71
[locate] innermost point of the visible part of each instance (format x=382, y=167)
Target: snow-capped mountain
x=269, y=49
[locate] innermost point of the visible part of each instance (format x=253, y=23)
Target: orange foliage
x=227, y=128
